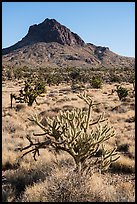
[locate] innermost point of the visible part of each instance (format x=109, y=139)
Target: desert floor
x=16, y=126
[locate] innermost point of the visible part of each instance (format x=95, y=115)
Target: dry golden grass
x=36, y=192
x=64, y=185
x=51, y=178
x=100, y=189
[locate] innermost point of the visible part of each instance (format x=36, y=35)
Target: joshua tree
x=29, y=93
x=76, y=133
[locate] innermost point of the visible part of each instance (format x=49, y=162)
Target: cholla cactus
x=77, y=134
x=30, y=92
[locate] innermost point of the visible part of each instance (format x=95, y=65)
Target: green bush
x=121, y=92
x=114, y=77
x=75, y=75
x=96, y=82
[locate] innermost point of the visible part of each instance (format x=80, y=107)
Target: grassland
x=51, y=177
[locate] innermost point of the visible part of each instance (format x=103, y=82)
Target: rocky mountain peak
x=48, y=31
x=52, y=31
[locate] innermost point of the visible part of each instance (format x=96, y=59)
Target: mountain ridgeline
x=47, y=31
x=50, y=44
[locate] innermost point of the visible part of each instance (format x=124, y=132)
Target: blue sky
x=109, y=24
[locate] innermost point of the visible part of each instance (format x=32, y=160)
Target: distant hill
x=50, y=44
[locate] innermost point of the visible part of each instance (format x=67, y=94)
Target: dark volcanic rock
x=47, y=31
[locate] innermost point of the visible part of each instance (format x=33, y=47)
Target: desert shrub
x=123, y=164
x=78, y=75
x=132, y=78
x=96, y=82
x=126, y=149
x=8, y=193
x=76, y=87
x=49, y=80
x=9, y=160
x=114, y=77
x=131, y=152
x=29, y=93
x=75, y=75
x=22, y=177
x=123, y=147
x=125, y=192
x=77, y=134
x=18, y=73
x=9, y=74
x=34, y=193
x=54, y=78
x=121, y=92
x=64, y=186
x=70, y=187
